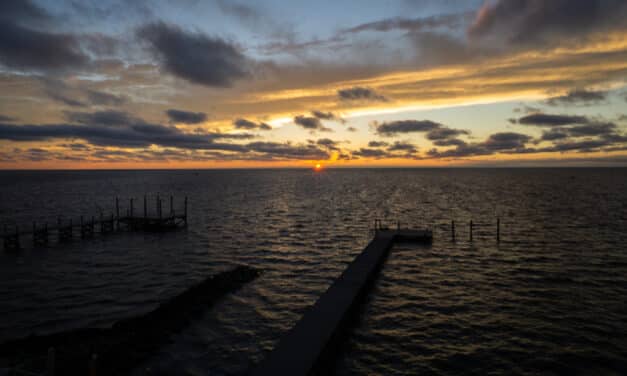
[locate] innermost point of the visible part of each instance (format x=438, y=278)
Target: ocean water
x=548, y=299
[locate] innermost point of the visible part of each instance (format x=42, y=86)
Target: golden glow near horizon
x=300, y=110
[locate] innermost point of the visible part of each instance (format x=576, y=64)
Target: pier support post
x=498, y=229
x=157, y=204
x=185, y=214
x=50, y=360
x=470, y=230
x=453, y=230
x=117, y=213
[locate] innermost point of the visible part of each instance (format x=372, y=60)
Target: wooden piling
x=470, y=230
x=185, y=215
x=498, y=229
x=453, y=230
x=50, y=360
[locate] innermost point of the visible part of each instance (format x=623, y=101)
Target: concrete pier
x=299, y=351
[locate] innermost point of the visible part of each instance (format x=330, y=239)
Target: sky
x=105, y=84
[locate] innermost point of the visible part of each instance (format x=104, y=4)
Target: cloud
x=114, y=128
x=592, y=129
x=580, y=96
x=288, y=150
x=24, y=48
x=403, y=146
x=101, y=98
x=311, y=123
x=377, y=144
x=508, y=142
x=326, y=116
x=443, y=133
x=539, y=22
x=548, y=120
x=6, y=119
x=195, y=57
x=406, y=126
x=22, y=10
x=328, y=143
x=370, y=153
x=448, y=21
x=247, y=124
x=359, y=93
x=61, y=98
x=186, y=117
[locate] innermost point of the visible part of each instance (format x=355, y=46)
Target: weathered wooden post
x=471, y=230
x=453, y=230
x=185, y=215
x=158, y=209
x=117, y=213
x=50, y=362
x=93, y=365
x=498, y=229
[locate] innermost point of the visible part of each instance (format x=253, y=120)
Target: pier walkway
x=298, y=352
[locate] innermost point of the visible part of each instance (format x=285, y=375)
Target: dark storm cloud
x=186, y=117
x=311, y=123
x=359, y=93
x=25, y=49
x=247, y=124
x=581, y=97
x=541, y=21
x=406, y=126
x=548, y=120
x=100, y=98
x=195, y=57
x=448, y=21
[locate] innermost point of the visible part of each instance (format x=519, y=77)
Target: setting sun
x=318, y=167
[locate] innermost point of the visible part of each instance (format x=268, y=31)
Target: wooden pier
x=65, y=230
x=304, y=347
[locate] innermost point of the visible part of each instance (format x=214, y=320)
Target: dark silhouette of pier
x=305, y=346
x=87, y=227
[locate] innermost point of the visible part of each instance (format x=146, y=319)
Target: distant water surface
x=548, y=299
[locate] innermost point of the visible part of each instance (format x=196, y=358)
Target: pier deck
x=302, y=347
